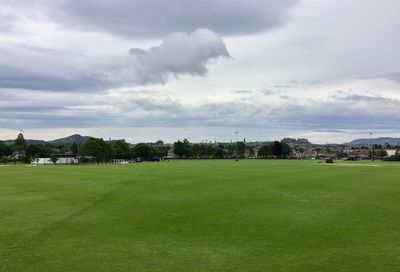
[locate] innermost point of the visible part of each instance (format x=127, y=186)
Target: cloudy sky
x=156, y=69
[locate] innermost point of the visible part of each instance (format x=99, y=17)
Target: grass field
x=201, y=216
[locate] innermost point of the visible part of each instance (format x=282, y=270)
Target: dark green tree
x=98, y=149
x=120, y=150
x=54, y=159
x=241, y=148
x=220, y=152
x=5, y=160
x=74, y=148
x=182, y=149
x=5, y=150
x=251, y=151
x=34, y=151
x=211, y=149
x=286, y=150
x=197, y=151
x=160, y=151
x=20, y=143
x=265, y=151
x=277, y=149
x=143, y=151
x=281, y=150
x=381, y=153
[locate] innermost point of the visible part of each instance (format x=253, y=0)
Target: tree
x=74, y=148
x=211, y=149
x=281, y=150
x=251, y=152
x=20, y=143
x=286, y=150
x=179, y=149
x=34, y=151
x=241, y=147
x=220, y=152
x=4, y=160
x=197, y=151
x=63, y=149
x=98, y=149
x=277, y=149
x=120, y=150
x=231, y=150
x=265, y=151
x=182, y=149
x=160, y=151
x=381, y=153
x=392, y=158
x=143, y=151
x=5, y=150
x=53, y=159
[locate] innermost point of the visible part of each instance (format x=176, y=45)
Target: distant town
x=77, y=149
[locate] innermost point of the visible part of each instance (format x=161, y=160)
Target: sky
x=328, y=71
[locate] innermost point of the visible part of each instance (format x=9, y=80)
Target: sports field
x=201, y=216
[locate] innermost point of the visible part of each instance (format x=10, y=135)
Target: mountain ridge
x=375, y=141
x=77, y=138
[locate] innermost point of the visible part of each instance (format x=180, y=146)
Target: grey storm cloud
x=153, y=109
x=393, y=76
x=243, y=92
x=355, y=97
x=179, y=54
x=157, y=18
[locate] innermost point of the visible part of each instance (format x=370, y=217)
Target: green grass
x=201, y=216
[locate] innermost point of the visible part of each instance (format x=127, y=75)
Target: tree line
x=185, y=150
x=93, y=150
x=96, y=150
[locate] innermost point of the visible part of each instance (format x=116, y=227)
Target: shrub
x=392, y=158
x=329, y=161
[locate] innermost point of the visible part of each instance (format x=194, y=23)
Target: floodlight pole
x=206, y=141
x=372, y=147
x=236, y=153
x=79, y=156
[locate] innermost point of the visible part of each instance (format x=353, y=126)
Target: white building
x=391, y=152
x=59, y=161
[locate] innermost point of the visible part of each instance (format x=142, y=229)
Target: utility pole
x=78, y=155
x=206, y=141
x=372, y=147
x=236, y=153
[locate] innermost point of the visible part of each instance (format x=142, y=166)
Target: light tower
x=372, y=147
x=236, y=153
x=206, y=141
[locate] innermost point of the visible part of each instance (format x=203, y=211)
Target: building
x=44, y=161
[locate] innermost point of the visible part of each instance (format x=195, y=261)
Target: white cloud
x=179, y=54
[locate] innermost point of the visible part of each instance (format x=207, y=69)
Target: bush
x=392, y=158
x=5, y=160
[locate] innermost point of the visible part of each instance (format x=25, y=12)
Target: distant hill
x=28, y=141
x=377, y=141
x=77, y=138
